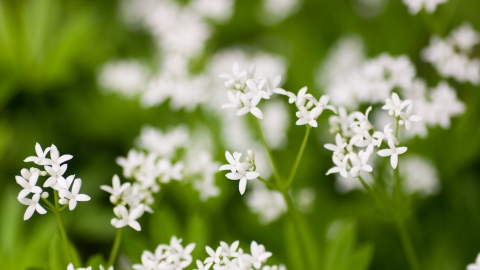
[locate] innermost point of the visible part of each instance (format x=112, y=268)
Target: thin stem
x=268, y=183
x=407, y=246
x=63, y=233
x=294, y=216
x=367, y=186
x=299, y=157
x=116, y=246
x=264, y=142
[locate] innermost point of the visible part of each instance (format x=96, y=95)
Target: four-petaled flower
x=126, y=218
x=73, y=196
x=32, y=206
x=393, y=152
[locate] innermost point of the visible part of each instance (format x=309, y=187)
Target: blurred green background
x=50, y=55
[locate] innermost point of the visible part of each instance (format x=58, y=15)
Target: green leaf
x=341, y=251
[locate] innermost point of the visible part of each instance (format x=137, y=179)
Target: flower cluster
x=239, y=170
x=247, y=89
x=414, y=6
x=231, y=257
x=352, y=81
x=451, y=56
x=173, y=256
x=66, y=189
x=71, y=267
x=354, y=131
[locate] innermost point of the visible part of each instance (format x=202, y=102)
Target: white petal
x=135, y=225
x=257, y=112
x=243, y=111
x=401, y=150
x=72, y=204
x=394, y=160
x=252, y=175
x=242, y=185
x=82, y=198
x=29, y=212
x=385, y=152
x=333, y=170
x=234, y=176
x=301, y=121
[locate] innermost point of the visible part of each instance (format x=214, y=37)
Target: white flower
x=129, y=219
x=341, y=166
x=476, y=265
x=291, y=96
x=33, y=206
x=306, y=117
x=116, y=189
x=414, y=6
x=408, y=118
x=235, y=101
x=201, y=266
x=339, y=145
x=323, y=104
x=229, y=251
x=359, y=163
x=28, y=182
x=109, y=268
x=243, y=176
x=56, y=175
x=40, y=159
x=233, y=160
x=131, y=163
x=257, y=89
x=214, y=256
x=259, y=255
x=55, y=156
x=73, y=196
x=250, y=105
x=395, y=105
x=393, y=152
x=234, y=79
x=71, y=267
x=386, y=135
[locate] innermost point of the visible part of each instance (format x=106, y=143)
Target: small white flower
x=33, y=206
x=234, y=79
x=393, y=152
x=28, y=183
x=257, y=89
x=243, y=176
x=235, y=101
x=323, y=104
x=408, y=118
x=339, y=145
x=201, y=266
x=291, y=96
x=71, y=267
x=129, y=164
x=476, y=265
x=259, y=255
x=386, y=135
x=55, y=156
x=73, y=196
x=341, y=166
x=214, y=256
x=129, y=219
x=250, y=105
x=395, y=104
x=116, y=189
x=359, y=163
x=40, y=159
x=233, y=160
x=229, y=251
x=56, y=175
x=306, y=117
x=109, y=268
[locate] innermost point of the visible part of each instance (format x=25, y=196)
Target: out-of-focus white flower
x=393, y=152
x=414, y=6
x=408, y=118
x=71, y=267
x=268, y=204
x=304, y=198
x=394, y=105
x=126, y=77
x=476, y=265
x=33, y=206
x=419, y=175
x=275, y=123
x=173, y=256
x=274, y=11
x=340, y=166
x=445, y=105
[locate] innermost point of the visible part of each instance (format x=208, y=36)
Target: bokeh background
x=53, y=52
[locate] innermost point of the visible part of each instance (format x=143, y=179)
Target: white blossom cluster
x=165, y=257
x=71, y=267
x=68, y=188
x=351, y=81
x=247, y=89
x=452, y=56
x=152, y=166
x=414, y=6
x=269, y=205
x=356, y=138
x=232, y=257
x=180, y=32
x=475, y=265
x=240, y=170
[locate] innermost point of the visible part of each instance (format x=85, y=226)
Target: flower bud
x=45, y=195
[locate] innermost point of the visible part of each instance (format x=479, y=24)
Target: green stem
x=268, y=183
x=63, y=233
x=295, y=218
x=367, y=186
x=407, y=246
x=299, y=157
x=270, y=156
x=116, y=246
